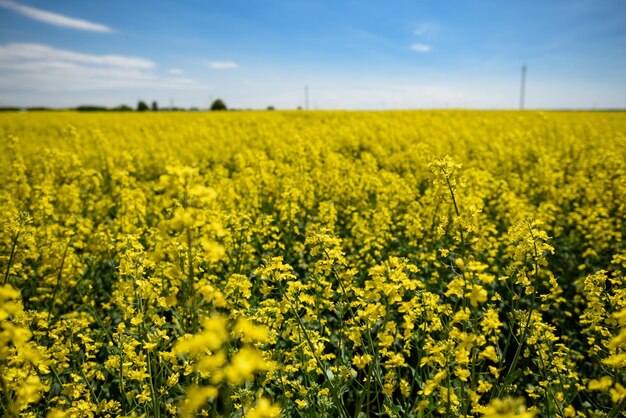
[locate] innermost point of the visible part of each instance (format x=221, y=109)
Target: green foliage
x=218, y=104
x=142, y=106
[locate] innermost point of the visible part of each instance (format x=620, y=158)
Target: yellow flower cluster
x=21, y=360
x=266, y=264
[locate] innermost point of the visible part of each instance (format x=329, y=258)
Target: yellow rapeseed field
x=313, y=264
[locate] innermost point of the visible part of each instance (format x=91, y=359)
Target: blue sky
x=351, y=54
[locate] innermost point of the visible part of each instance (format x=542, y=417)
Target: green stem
x=456, y=210
x=190, y=285
x=7, y=404
x=548, y=390
x=617, y=408
x=58, y=283
x=144, y=336
x=11, y=257
x=307, y=338
x=522, y=342
x=122, y=391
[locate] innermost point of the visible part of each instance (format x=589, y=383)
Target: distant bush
x=142, y=106
x=218, y=104
x=90, y=108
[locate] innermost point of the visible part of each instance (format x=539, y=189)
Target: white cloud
x=421, y=47
x=221, y=65
x=54, y=18
x=175, y=71
x=28, y=51
x=41, y=68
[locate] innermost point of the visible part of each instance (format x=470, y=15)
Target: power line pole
x=306, y=97
x=522, y=88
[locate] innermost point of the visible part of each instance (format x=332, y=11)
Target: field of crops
x=313, y=264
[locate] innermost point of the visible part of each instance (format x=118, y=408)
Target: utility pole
x=306, y=97
x=522, y=88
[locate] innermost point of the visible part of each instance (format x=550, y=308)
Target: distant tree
x=91, y=108
x=270, y=108
x=155, y=106
x=218, y=104
x=142, y=106
x=123, y=108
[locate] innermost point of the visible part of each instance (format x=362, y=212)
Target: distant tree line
x=142, y=106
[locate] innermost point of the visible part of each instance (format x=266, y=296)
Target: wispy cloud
x=29, y=51
x=221, y=65
x=426, y=29
x=175, y=71
x=421, y=47
x=55, y=19
x=37, y=67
